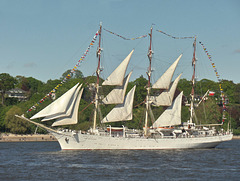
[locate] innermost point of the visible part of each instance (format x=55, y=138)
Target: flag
x=211, y=93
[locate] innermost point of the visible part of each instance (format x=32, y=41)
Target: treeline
x=209, y=111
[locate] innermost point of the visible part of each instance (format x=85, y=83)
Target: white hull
x=78, y=141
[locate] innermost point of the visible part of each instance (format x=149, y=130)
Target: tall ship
x=168, y=131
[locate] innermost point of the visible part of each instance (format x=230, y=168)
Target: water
x=45, y=161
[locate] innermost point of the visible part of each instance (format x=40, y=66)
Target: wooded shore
x=8, y=137
x=235, y=137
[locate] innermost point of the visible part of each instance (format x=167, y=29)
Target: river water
x=45, y=161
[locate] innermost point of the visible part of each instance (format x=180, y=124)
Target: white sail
x=73, y=117
x=121, y=112
x=117, y=76
x=166, y=97
x=116, y=96
x=57, y=107
x=164, y=81
x=172, y=115
x=70, y=104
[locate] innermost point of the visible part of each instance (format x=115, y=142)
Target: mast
x=150, y=52
x=193, y=80
x=98, y=75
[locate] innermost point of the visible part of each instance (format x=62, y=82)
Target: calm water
x=45, y=161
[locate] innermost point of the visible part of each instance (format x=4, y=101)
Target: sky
x=43, y=39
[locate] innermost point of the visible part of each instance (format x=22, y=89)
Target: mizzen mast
x=98, y=76
x=193, y=81
x=150, y=52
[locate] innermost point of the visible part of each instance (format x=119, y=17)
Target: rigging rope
x=67, y=77
x=86, y=106
x=218, y=78
x=143, y=36
x=174, y=36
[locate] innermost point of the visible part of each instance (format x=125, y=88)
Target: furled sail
x=166, y=97
x=57, y=107
x=73, y=117
x=164, y=81
x=122, y=112
x=116, y=96
x=117, y=76
x=172, y=115
x=70, y=107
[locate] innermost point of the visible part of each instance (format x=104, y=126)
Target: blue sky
x=44, y=38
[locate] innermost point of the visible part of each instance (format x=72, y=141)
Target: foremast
x=193, y=81
x=149, y=72
x=98, y=77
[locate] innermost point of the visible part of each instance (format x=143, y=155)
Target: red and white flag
x=211, y=93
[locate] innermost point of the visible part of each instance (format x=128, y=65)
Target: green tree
x=185, y=86
x=34, y=84
x=228, y=89
x=208, y=112
x=76, y=75
x=237, y=94
x=3, y=111
x=204, y=85
x=140, y=93
x=7, y=82
x=185, y=113
x=14, y=124
x=22, y=83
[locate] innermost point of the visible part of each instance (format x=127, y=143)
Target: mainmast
x=150, y=52
x=193, y=81
x=98, y=76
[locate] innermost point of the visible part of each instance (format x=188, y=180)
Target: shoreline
x=236, y=137
x=4, y=137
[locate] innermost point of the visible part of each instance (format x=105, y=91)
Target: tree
x=208, y=112
x=185, y=86
x=228, y=89
x=7, y=82
x=76, y=75
x=34, y=84
x=14, y=124
x=140, y=93
x=204, y=85
x=237, y=94
x=3, y=111
x=22, y=83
